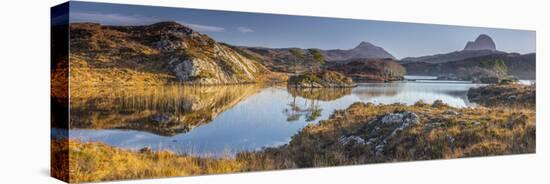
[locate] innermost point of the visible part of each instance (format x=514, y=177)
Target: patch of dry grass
x=82, y=75
x=99, y=162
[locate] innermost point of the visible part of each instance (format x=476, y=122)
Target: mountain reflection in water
x=223, y=120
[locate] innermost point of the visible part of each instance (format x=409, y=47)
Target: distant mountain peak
x=482, y=42
x=365, y=44
x=363, y=50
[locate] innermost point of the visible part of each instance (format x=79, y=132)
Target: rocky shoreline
x=362, y=133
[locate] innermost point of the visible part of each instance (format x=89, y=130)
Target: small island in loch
x=326, y=79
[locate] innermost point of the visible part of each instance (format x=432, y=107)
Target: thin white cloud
x=126, y=20
x=203, y=28
x=243, y=29
x=112, y=19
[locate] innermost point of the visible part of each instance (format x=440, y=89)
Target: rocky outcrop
x=387, y=126
x=382, y=129
x=326, y=79
x=509, y=96
x=166, y=51
x=482, y=42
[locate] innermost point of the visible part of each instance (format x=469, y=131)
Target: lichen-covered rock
x=351, y=140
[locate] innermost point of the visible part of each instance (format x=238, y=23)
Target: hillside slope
x=165, y=52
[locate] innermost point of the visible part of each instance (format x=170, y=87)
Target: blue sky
x=279, y=31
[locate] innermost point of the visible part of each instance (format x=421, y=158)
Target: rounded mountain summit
x=482, y=42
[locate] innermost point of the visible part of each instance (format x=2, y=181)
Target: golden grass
x=442, y=132
x=91, y=162
x=81, y=77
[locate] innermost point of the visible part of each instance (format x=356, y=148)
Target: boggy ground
x=362, y=133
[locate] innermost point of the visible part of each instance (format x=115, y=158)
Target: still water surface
x=215, y=122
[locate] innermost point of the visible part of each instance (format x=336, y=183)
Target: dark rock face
x=363, y=50
x=482, y=42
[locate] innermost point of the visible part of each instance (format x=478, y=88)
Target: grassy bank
x=510, y=95
x=99, y=162
x=367, y=133
x=362, y=133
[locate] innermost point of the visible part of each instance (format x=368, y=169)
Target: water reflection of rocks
x=378, y=90
x=323, y=94
x=310, y=109
x=163, y=110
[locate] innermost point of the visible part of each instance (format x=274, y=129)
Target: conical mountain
x=365, y=50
